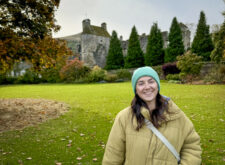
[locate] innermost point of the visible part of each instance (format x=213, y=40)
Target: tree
x=135, y=57
x=218, y=54
x=154, y=50
x=29, y=18
x=176, y=46
x=202, y=44
x=25, y=34
x=42, y=53
x=114, y=60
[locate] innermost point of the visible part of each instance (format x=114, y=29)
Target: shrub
x=30, y=77
x=96, y=74
x=158, y=69
x=173, y=77
x=189, y=63
x=50, y=75
x=123, y=74
x=4, y=79
x=110, y=77
x=73, y=70
x=217, y=74
x=170, y=68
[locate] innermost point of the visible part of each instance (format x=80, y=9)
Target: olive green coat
x=126, y=146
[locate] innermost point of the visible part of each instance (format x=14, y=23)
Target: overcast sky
x=122, y=15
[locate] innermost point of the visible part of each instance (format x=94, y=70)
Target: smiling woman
x=130, y=140
x=147, y=89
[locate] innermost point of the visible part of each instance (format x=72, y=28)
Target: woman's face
x=147, y=89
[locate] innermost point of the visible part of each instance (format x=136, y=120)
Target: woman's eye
x=140, y=83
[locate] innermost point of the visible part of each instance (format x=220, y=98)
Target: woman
x=131, y=142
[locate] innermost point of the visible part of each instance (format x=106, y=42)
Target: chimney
x=103, y=25
x=86, y=24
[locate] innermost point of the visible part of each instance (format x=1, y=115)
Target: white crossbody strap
x=163, y=139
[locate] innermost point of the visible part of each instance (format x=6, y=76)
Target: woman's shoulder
x=125, y=113
x=176, y=113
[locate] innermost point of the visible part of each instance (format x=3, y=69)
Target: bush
x=189, y=63
x=96, y=74
x=170, y=68
x=73, y=70
x=158, y=69
x=30, y=77
x=173, y=77
x=50, y=75
x=217, y=74
x=110, y=77
x=123, y=74
x=4, y=79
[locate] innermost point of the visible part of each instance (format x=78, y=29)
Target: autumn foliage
x=73, y=70
x=26, y=28
x=42, y=53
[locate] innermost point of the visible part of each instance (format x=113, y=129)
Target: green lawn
x=93, y=108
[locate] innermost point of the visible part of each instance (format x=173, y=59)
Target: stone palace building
x=92, y=44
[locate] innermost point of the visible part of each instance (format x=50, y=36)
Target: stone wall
x=186, y=35
x=94, y=49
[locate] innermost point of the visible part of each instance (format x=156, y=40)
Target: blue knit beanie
x=144, y=71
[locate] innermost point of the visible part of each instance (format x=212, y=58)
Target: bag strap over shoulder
x=163, y=139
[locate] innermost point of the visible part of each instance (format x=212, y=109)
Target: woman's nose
x=147, y=86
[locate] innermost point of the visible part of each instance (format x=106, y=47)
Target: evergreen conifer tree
x=115, y=59
x=135, y=57
x=176, y=46
x=154, y=51
x=218, y=54
x=202, y=44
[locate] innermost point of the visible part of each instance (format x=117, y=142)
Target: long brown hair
x=156, y=115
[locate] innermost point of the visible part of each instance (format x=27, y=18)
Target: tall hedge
x=202, y=44
x=176, y=46
x=114, y=60
x=135, y=56
x=154, y=51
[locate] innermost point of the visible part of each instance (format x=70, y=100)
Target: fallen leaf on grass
x=78, y=149
x=211, y=140
x=94, y=159
x=58, y=163
x=79, y=158
x=82, y=134
x=20, y=162
x=69, y=145
x=29, y=158
x=222, y=120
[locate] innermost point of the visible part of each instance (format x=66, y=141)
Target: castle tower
x=86, y=25
x=103, y=25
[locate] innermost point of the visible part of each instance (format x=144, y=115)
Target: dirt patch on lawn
x=20, y=113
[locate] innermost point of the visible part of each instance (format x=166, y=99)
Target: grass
x=93, y=108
